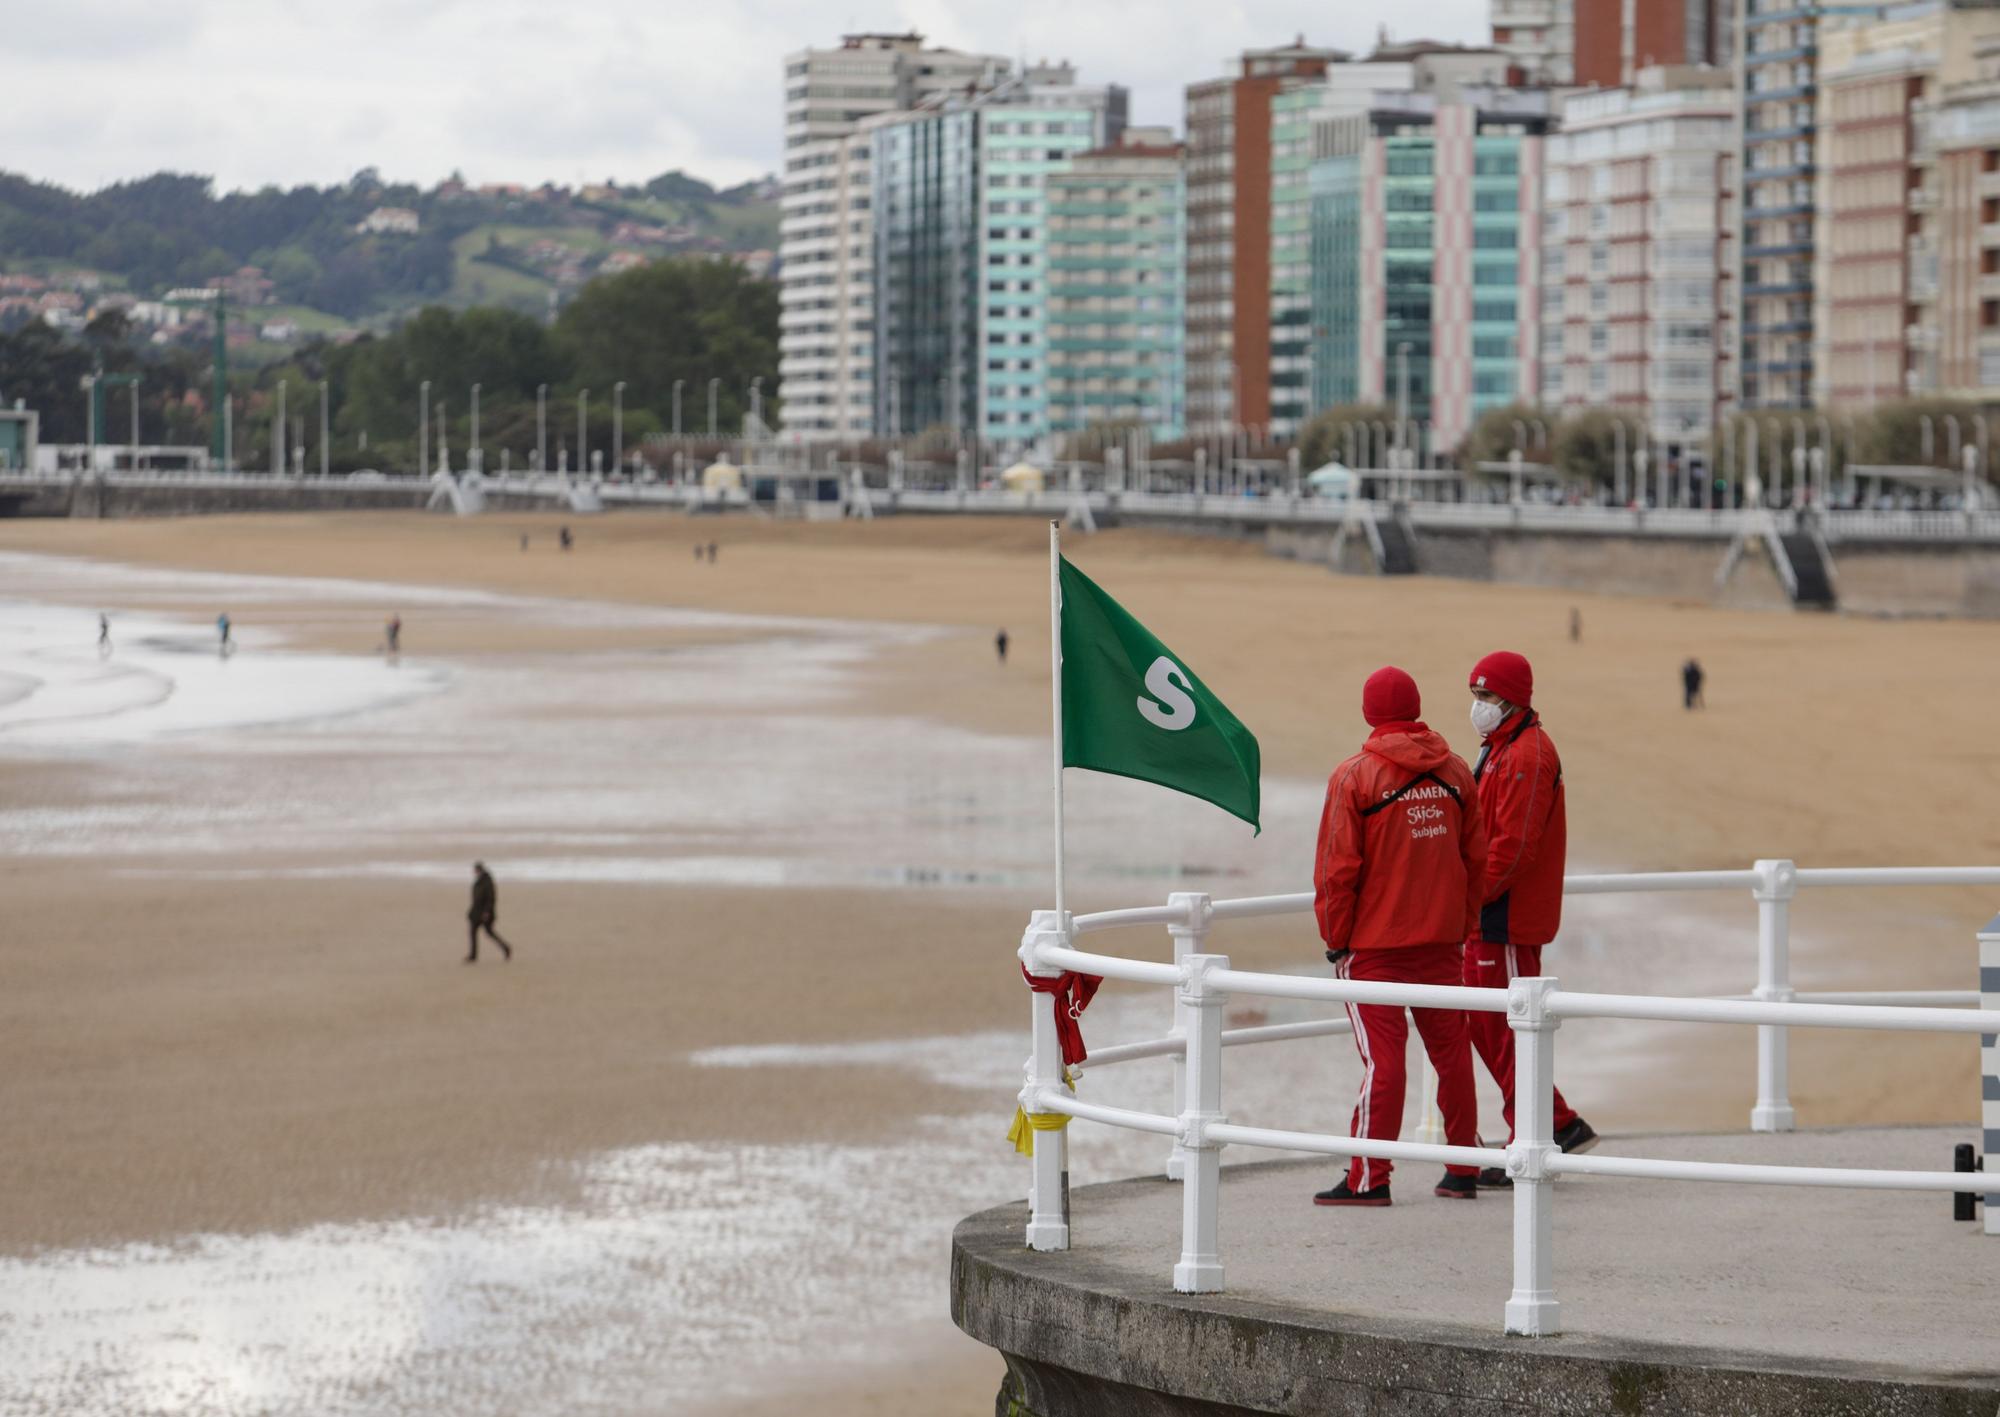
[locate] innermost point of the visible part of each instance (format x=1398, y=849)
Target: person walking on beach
x=711, y=553
x=392, y=634
x=482, y=915
x=1691, y=677
x=1575, y=625
x=224, y=646
x=1522, y=807
x=103, y=635
x=1000, y=644
x=563, y=537
x=1396, y=882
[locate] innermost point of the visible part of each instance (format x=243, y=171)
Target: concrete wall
x=1918, y=580
x=88, y=497
x=1081, y=1339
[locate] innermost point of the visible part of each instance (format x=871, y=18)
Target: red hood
x=1410, y=746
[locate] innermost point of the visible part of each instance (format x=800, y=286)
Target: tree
x=687, y=319
x=1893, y=433
x=1324, y=438
x=1495, y=434
x=1586, y=445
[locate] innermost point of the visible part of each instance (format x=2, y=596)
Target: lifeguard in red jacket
x=1396, y=888
x=1520, y=902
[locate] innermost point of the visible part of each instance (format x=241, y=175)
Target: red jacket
x=1527, y=833
x=1401, y=845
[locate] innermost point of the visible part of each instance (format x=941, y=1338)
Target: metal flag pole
x=1056, y=699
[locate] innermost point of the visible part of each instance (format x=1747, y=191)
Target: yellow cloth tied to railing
x=1026, y=1124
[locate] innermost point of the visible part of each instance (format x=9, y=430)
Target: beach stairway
x=1811, y=569
x=1394, y=546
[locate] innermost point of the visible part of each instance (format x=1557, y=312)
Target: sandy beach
x=790, y=802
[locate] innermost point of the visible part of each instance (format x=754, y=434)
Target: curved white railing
x=1534, y=1007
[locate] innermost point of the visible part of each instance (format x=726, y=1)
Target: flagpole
x=1056, y=699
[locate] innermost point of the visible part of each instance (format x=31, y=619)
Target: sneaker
x=1495, y=1178
x=1454, y=1187
x=1576, y=1138
x=1342, y=1195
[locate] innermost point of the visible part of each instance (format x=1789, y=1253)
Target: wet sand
x=271, y=1049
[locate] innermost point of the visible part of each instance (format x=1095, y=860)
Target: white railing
x=1534, y=1008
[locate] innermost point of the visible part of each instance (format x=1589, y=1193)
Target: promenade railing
x=1203, y=983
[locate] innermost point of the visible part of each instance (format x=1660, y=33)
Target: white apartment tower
x=826, y=252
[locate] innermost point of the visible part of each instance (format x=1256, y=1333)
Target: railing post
x=1989, y=1064
x=1200, y=1267
x=1532, y=1309
x=1430, y=1120
x=1048, y=1191
x=1777, y=883
x=1189, y=934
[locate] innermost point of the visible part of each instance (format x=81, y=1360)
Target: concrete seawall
x=95, y=498
x=1677, y=1298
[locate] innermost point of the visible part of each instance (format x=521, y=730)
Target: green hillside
x=499, y=245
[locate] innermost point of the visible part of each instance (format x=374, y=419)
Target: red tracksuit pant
x=1489, y=966
x=1381, y=1036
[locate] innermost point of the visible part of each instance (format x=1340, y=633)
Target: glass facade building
x=962, y=253
x=1117, y=288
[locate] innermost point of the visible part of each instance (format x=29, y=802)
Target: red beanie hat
x=1390, y=696
x=1507, y=674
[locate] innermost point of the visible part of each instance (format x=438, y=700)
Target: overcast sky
x=290, y=91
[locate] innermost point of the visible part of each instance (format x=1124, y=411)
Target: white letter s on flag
x=1178, y=710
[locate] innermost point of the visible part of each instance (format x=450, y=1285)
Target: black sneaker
x=1454, y=1187
x=1341, y=1195
x=1576, y=1138
x=1495, y=1178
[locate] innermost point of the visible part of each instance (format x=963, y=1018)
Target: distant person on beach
x=483, y=913
x=103, y=636
x=1522, y=807
x=1691, y=677
x=524, y=541
x=563, y=538
x=1575, y=625
x=697, y=553
x=1000, y=644
x=224, y=645
x=711, y=553
x=1396, y=883
x=392, y=634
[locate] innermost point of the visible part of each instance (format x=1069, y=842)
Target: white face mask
x=1487, y=717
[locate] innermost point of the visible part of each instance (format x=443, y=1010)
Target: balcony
x=1792, y=287
x=1784, y=248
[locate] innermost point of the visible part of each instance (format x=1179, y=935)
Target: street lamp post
x=473, y=455
x=1402, y=393
x=323, y=466
x=541, y=428
x=135, y=422
x=582, y=431
x=757, y=406
x=713, y=385
x=278, y=435
x=424, y=428
x=677, y=406
x=617, y=425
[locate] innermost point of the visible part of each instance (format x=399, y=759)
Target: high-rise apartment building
x=1777, y=73
x=1427, y=254
x=826, y=237
x=1615, y=39
x=1963, y=323
x=1229, y=122
x=1116, y=287
x=1635, y=290
x=1878, y=315
x=961, y=284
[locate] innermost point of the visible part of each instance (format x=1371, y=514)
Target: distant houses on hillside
x=393, y=221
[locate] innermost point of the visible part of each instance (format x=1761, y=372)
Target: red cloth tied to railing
x=1073, y=993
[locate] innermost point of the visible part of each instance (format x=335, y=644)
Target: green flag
x=1131, y=707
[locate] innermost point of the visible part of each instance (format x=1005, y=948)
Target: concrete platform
x=1677, y=1297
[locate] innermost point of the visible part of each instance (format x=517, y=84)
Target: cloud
x=287, y=91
